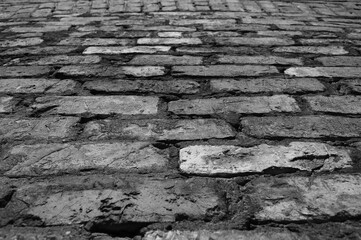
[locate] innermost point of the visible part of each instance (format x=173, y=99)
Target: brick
x=340, y=61
x=302, y=127
x=335, y=104
x=49, y=28
x=170, y=34
x=280, y=33
x=95, y=41
x=125, y=105
x=236, y=27
x=58, y=158
x=133, y=199
x=19, y=71
x=309, y=28
x=38, y=50
x=265, y=41
x=229, y=160
x=159, y=129
x=21, y=42
x=40, y=129
x=271, y=20
x=258, y=85
x=259, y=60
x=157, y=86
x=146, y=71
x=169, y=41
x=65, y=60
x=165, y=60
x=224, y=70
x=29, y=86
x=163, y=28
x=342, y=72
x=277, y=103
x=318, y=198
x=186, y=22
x=330, y=50
x=7, y=104
x=126, y=50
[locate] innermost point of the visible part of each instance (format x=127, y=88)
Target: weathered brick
x=157, y=86
x=50, y=159
x=258, y=85
x=235, y=27
x=335, y=104
x=126, y=50
x=48, y=28
x=33, y=128
x=340, y=61
x=277, y=103
x=259, y=60
x=198, y=50
x=170, y=34
x=163, y=28
x=224, y=70
x=280, y=33
x=309, y=28
x=125, y=105
x=271, y=20
x=19, y=71
x=7, y=104
x=265, y=41
x=38, y=50
x=169, y=41
x=95, y=41
x=159, y=129
x=228, y=160
x=65, y=60
x=342, y=72
x=330, y=50
x=62, y=202
x=186, y=22
x=21, y=42
x=165, y=60
x=302, y=127
x=306, y=198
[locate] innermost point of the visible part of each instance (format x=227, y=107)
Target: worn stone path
x=180, y=119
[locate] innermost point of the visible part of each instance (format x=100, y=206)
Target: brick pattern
x=126, y=118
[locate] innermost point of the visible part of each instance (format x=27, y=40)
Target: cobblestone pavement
x=180, y=119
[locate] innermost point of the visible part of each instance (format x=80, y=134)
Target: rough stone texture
x=21, y=42
x=50, y=159
x=259, y=60
x=335, y=104
x=302, y=198
x=340, y=61
x=330, y=50
x=95, y=41
x=125, y=105
x=7, y=104
x=175, y=86
x=165, y=60
x=38, y=50
x=277, y=103
x=267, y=41
x=64, y=59
x=352, y=85
x=33, y=85
x=342, y=72
x=224, y=70
x=44, y=128
x=169, y=41
x=259, y=85
x=126, y=50
x=19, y=71
x=159, y=129
x=225, y=160
x=302, y=127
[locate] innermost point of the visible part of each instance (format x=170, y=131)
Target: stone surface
x=169, y=41
x=126, y=50
x=228, y=160
x=44, y=128
x=335, y=104
x=165, y=60
x=38, y=50
x=95, y=41
x=158, y=129
x=37, y=85
x=343, y=72
x=125, y=105
x=302, y=198
x=302, y=127
x=266, y=41
x=65, y=60
x=277, y=103
x=21, y=42
x=7, y=104
x=340, y=61
x=224, y=70
x=259, y=60
x=330, y=50
x=259, y=85
x=352, y=85
x=54, y=159
x=21, y=71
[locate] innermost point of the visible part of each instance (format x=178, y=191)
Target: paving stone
x=65, y=60
x=258, y=85
x=125, y=105
x=31, y=85
x=265, y=41
x=54, y=159
x=126, y=50
x=335, y=104
x=95, y=41
x=157, y=86
x=159, y=129
x=7, y=104
x=21, y=71
x=165, y=60
x=40, y=129
x=38, y=50
x=228, y=160
x=133, y=200
x=224, y=70
x=259, y=60
x=340, y=61
x=302, y=127
x=21, y=42
x=319, y=198
x=330, y=50
x=342, y=72
x=276, y=103
x=169, y=41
